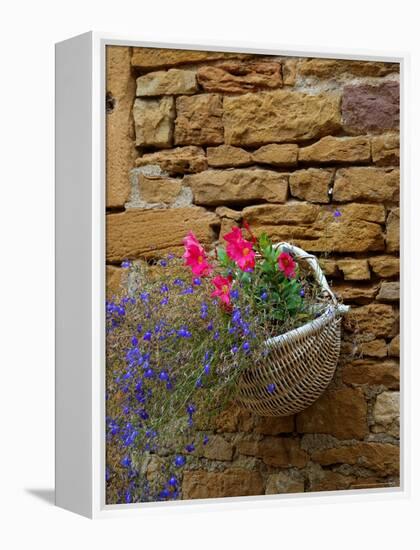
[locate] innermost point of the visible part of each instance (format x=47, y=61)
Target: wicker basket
x=300, y=363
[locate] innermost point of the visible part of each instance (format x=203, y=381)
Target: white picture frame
x=80, y=279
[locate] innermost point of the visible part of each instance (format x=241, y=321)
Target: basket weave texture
x=300, y=363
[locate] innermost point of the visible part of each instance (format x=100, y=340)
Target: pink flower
x=287, y=265
x=223, y=286
x=239, y=250
x=195, y=256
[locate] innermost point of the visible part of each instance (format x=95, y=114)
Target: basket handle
x=317, y=271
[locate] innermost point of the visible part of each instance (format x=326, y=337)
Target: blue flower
x=191, y=409
x=190, y=448
x=163, y=263
x=147, y=336
x=199, y=383
x=234, y=349
x=164, y=288
x=134, y=341
x=302, y=292
x=188, y=290
x=184, y=333
x=205, y=440
x=197, y=281
x=337, y=213
x=245, y=346
x=271, y=388
x=139, y=328
x=173, y=482
x=125, y=264
x=163, y=375
x=126, y=462
x=164, y=301
x=234, y=294
x=144, y=296
x=178, y=282
x=149, y=373
x=180, y=461
x=264, y=295
x=207, y=368
x=164, y=493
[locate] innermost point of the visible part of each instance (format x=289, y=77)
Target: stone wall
x=308, y=151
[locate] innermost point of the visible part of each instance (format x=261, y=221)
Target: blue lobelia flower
x=180, y=461
x=271, y=388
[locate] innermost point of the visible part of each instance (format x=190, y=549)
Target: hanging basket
x=301, y=362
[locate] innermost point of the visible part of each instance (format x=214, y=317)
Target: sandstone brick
x=227, y=155
x=363, y=371
x=181, y=160
x=283, y=452
x=239, y=77
x=377, y=320
x=359, y=294
x=199, y=120
x=366, y=183
x=394, y=346
x=277, y=155
x=114, y=279
x=171, y=82
x=214, y=187
x=120, y=151
x=369, y=108
x=233, y=419
x=283, y=483
x=225, y=212
x=154, y=119
x=291, y=212
x=328, y=480
x=218, y=448
x=341, y=413
x=389, y=292
x=363, y=212
x=383, y=458
x=393, y=231
x=387, y=408
x=329, y=267
x=357, y=230
x=271, y=425
x=337, y=149
x=354, y=270
x=159, y=190
x=151, y=233
x=148, y=59
x=386, y=150
x=279, y=116
x=334, y=68
x=233, y=482
x=289, y=66
x=375, y=348
x=385, y=266
x=311, y=185
x=373, y=482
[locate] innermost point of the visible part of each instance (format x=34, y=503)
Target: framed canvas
x=228, y=275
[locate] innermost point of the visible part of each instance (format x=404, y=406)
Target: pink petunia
x=223, y=285
x=239, y=250
x=195, y=256
x=287, y=265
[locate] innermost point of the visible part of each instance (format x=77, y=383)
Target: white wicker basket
x=301, y=362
